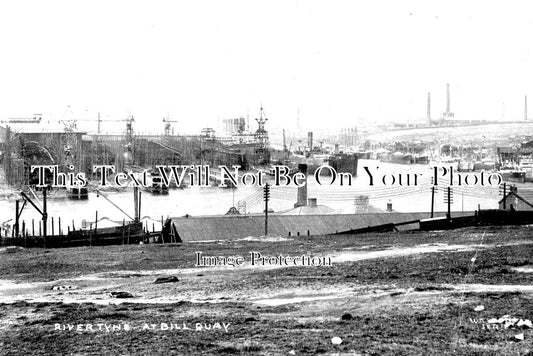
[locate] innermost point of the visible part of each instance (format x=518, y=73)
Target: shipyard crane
x=289, y=150
x=261, y=139
x=128, y=133
x=168, y=126
x=128, y=154
x=69, y=141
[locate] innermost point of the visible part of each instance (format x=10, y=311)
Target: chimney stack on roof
x=302, y=191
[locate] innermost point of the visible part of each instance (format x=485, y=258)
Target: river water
x=197, y=201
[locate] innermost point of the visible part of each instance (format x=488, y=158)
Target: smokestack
x=429, y=108
x=447, y=99
x=302, y=191
x=310, y=141
x=525, y=109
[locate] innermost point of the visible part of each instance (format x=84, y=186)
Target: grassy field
x=397, y=293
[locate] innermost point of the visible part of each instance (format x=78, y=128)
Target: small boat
x=526, y=165
x=513, y=175
x=485, y=164
x=156, y=185
x=421, y=159
x=401, y=158
x=313, y=161
x=446, y=162
x=78, y=193
x=466, y=166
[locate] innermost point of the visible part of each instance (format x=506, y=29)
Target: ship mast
x=261, y=139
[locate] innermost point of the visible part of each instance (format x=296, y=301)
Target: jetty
x=52, y=232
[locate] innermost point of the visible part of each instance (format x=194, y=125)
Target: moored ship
x=513, y=175
x=79, y=193
x=156, y=184
x=526, y=165
x=341, y=162
x=313, y=161
x=344, y=162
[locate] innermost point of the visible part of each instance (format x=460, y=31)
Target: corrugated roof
x=235, y=227
x=309, y=210
x=360, y=209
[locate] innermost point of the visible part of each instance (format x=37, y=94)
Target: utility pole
x=266, y=196
x=16, y=227
x=99, y=121
x=7, y=157
x=449, y=202
x=136, y=203
x=448, y=215
x=504, y=194
x=429, y=109
x=45, y=216
x=432, y=200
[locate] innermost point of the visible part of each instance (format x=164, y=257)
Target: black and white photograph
x=297, y=177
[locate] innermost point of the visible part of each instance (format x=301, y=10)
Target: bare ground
x=408, y=293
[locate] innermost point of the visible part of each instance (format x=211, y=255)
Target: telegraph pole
x=429, y=109
x=16, y=227
x=45, y=216
x=504, y=192
x=432, y=200
x=266, y=196
x=449, y=204
x=449, y=200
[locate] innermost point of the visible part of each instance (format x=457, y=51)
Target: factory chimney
x=447, y=100
x=525, y=109
x=429, y=108
x=302, y=191
x=310, y=141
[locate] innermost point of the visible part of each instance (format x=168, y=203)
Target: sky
x=336, y=63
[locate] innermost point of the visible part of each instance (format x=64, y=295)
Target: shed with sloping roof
x=207, y=228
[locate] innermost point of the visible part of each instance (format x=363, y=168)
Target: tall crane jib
x=129, y=147
x=262, y=152
x=69, y=142
x=169, y=129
